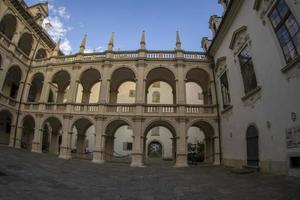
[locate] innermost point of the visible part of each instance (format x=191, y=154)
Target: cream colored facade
x=39, y=97
x=272, y=107
x=51, y=102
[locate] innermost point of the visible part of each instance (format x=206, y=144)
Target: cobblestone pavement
x=25, y=175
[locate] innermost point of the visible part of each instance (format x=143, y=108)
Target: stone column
x=86, y=96
x=3, y=71
x=140, y=83
x=45, y=89
x=180, y=84
x=65, y=148
x=38, y=135
x=213, y=93
x=181, y=157
x=26, y=92
x=13, y=131
x=137, y=151
x=98, y=154
x=104, y=88
x=80, y=145
x=216, y=150
x=73, y=87
x=113, y=97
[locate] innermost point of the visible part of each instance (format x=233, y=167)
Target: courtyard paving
x=25, y=175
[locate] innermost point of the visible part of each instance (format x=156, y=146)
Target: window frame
x=280, y=25
x=228, y=105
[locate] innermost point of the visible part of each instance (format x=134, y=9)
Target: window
x=156, y=97
x=127, y=146
x=155, y=131
x=247, y=70
x=295, y=162
x=131, y=93
x=287, y=30
x=156, y=84
x=225, y=90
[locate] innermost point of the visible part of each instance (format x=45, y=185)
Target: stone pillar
x=38, y=135
x=13, y=131
x=21, y=85
x=216, y=150
x=73, y=87
x=181, y=157
x=45, y=89
x=16, y=37
x=3, y=71
x=26, y=92
x=98, y=154
x=65, y=148
x=140, y=83
x=213, y=93
x=137, y=151
x=104, y=88
x=86, y=96
x=19, y=136
x=180, y=84
x=113, y=97
x=80, y=145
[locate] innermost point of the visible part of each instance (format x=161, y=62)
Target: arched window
x=8, y=26
x=25, y=43
x=41, y=53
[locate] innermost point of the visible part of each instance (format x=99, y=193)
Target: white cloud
x=58, y=29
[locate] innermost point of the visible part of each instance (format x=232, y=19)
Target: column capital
x=181, y=119
x=67, y=116
x=100, y=117
x=138, y=119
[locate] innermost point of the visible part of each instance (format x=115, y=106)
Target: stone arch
x=111, y=129
x=79, y=138
x=61, y=81
x=12, y=81
x=36, y=87
x=209, y=133
x=202, y=78
x=52, y=138
x=88, y=79
x=28, y=128
x=162, y=74
x=8, y=25
x=252, y=145
x=171, y=142
x=6, y=119
x=26, y=42
x=118, y=77
x=41, y=54
x=110, y=121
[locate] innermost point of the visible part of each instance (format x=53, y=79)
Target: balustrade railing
x=200, y=109
x=160, y=109
x=120, y=108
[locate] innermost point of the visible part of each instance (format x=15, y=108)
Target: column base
x=137, y=160
x=36, y=148
x=98, y=161
x=65, y=153
x=181, y=160
x=36, y=151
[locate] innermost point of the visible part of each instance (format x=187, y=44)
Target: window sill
x=291, y=65
x=226, y=109
x=251, y=93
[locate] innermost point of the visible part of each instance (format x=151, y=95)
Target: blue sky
x=71, y=19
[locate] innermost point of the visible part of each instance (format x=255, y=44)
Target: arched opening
x=5, y=126
x=60, y=84
x=122, y=87
x=118, y=142
x=200, y=143
x=8, y=26
x=89, y=87
x=160, y=93
x=25, y=43
x=28, y=128
x=83, y=139
x=12, y=82
x=36, y=88
x=161, y=80
x=196, y=145
x=201, y=78
x=252, y=146
x=160, y=143
x=52, y=136
x=41, y=53
x=194, y=94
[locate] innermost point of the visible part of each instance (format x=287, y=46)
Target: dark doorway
x=252, y=146
x=155, y=150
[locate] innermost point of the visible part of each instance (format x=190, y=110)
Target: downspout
x=23, y=89
x=219, y=118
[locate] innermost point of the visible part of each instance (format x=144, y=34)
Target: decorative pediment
x=239, y=38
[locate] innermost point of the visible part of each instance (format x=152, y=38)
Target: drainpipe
x=23, y=89
x=219, y=118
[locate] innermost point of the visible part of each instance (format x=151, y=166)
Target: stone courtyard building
x=47, y=98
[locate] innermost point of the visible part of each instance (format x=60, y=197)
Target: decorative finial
x=83, y=44
x=178, y=42
x=143, y=41
x=111, y=42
